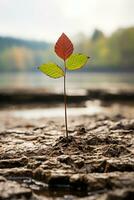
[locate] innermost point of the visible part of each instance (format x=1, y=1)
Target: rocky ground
x=38, y=163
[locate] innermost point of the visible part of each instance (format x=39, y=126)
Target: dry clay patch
x=98, y=156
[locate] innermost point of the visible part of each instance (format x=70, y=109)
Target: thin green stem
x=65, y=100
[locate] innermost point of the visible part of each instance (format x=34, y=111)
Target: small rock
x=79, y=163
x=11, y=163
x=65, y=159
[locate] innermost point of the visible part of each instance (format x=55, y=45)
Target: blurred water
x=55, y=112
x=82, y=80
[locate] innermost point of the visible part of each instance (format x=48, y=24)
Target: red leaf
x=64, y=47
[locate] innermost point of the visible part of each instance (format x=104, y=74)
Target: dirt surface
x=95, y=163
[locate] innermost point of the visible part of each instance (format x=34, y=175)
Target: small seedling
x=64, y=49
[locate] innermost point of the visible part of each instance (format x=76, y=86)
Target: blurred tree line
x=18, y=55
x=116, y=51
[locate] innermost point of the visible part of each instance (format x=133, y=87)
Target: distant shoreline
x=87, y=70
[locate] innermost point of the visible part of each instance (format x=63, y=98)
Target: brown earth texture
x=96, y=162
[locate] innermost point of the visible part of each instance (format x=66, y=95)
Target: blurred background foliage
x=114, y=51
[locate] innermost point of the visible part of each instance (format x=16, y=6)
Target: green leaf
x=52, y=70
x=76, y=61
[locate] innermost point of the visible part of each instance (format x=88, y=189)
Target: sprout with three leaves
x=64, y=49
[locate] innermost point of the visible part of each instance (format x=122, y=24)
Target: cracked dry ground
x=97, y=163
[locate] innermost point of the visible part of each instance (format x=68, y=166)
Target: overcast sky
x=47, y=19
